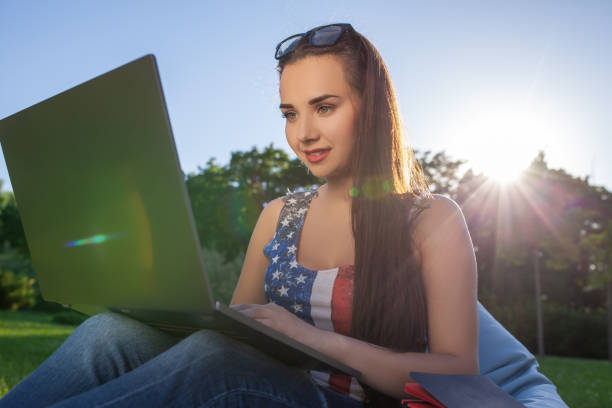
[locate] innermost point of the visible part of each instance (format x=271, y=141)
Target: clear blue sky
x=478, y=79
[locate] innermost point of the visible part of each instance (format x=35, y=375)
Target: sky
x=490, y=82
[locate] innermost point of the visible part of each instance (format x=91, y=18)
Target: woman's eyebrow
x=310, y=102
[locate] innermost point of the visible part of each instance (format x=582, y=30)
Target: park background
x=507, y=105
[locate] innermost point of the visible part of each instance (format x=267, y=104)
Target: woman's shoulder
x=438, y=216
x=437, y=204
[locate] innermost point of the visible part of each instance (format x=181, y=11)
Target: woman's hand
x=281, y=320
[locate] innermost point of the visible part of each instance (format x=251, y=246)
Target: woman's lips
x=315, y=156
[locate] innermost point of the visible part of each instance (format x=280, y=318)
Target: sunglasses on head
x=323, y=36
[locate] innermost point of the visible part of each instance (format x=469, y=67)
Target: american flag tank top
x=322, y=298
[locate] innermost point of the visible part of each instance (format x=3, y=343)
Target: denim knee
x=117, y=337
x=106, y=330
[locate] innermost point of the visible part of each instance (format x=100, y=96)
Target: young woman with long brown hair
x=402, y=257
x=369, y=269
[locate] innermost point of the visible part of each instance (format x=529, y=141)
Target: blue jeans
x=111, y=360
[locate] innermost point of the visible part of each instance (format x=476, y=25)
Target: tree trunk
x=538, y=299
x=609, y=285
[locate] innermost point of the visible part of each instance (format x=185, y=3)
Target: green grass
x=28, y=338
x=580, y=382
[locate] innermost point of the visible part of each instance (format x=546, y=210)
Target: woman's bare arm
x=450, y=278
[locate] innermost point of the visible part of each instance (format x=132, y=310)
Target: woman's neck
x=337, y=191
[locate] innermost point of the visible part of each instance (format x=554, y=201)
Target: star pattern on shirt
x=287, y=283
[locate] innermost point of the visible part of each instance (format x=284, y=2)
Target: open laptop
x=105, y=210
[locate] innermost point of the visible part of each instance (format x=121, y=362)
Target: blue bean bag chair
x=511, y=366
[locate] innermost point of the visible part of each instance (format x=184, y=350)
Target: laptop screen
x=102, y=198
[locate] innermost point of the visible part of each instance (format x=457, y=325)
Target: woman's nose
x=307, y=131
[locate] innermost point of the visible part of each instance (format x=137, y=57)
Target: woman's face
x=320, y=109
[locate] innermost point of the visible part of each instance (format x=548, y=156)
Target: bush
x=69, y=317
x=223, y=275
x=577, y=333
x=12, y=260
x=18, y=285
x=16, y=291
x=567, y=331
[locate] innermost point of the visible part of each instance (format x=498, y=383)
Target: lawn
x=27, y=338
x=581, y=382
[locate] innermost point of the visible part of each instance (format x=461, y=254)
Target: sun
x=504, y=172
x=499, y=137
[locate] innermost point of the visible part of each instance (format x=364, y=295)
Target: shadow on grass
x=21, y=354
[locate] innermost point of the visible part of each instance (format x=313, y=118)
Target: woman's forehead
x=313, y=76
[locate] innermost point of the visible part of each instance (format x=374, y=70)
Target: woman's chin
x=315, y=170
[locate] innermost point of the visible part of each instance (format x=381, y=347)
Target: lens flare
x=96, y=239
x=375, y=188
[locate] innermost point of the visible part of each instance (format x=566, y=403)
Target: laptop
x=104, y=207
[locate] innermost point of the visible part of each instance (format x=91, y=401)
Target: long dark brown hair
x=389, y=306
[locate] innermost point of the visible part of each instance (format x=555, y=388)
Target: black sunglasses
x=322, y=36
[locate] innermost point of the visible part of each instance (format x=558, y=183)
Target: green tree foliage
x=17, y=291
x=223, y=274
x=441, y=171
x=11, y=230
x=562, y=219
x=226, y=200
x=557, y=217
x=18, y=287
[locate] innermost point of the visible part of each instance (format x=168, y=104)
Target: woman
x=406, y=284
x=414, y=268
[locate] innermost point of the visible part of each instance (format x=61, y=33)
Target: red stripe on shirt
x=341, y=314
x=342, y=300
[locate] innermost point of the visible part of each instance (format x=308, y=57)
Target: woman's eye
x=324, y=108
x=289, y=115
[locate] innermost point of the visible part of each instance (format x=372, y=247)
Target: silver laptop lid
x=102, y=198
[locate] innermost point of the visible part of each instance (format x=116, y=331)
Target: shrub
x=18, y=284
x=16, y=291
x=567, y=331
x=223, y=275
x=69, y=317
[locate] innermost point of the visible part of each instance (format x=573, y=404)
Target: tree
x=547, y=212
x=11, y=229
x=227, y=200
x=441, y=172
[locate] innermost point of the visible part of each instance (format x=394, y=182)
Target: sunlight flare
x=501, y=135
